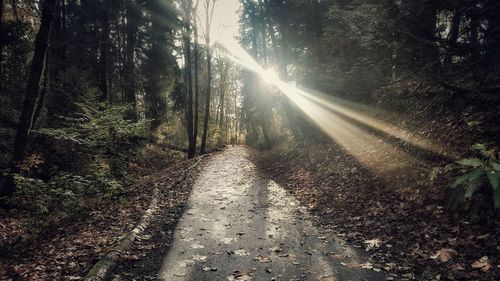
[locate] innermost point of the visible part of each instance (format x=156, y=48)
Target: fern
x=483, y=170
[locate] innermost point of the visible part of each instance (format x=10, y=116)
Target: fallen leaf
x=367, y=265
x=483, y=264
x=239, y=277
x=227, y=240
x=338, y=257
x=199, y=258
x=483, y=236
x=444, y=254
x=263, y=259
x=130, y=257
x=241, y=252
x=458, y=266
x=372, y=244
x=276, y=249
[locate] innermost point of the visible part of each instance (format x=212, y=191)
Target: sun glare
x=338, y=120
x=269, y=76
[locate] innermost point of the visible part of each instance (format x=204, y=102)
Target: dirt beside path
x=69, y=251
x=406, y=224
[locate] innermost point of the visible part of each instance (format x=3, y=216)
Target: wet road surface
x=239, y=225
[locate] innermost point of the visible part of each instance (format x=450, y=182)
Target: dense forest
x=99, y=81
x=364, y=110
x=421, y=57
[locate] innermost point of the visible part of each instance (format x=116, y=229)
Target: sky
x=225, y=22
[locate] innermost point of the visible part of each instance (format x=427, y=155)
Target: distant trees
x=160, y=66
x=199, y=80
x=416, y=49
x=262, y=22
x=227, y=108
x=441, y=55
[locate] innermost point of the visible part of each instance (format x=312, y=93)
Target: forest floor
x=397, y=216
x=69, y=250
x=291, y=213
x=362, y=208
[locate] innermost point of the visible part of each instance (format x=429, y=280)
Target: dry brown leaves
x=418, y=234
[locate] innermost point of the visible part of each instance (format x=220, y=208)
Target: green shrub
x=104, y=133
x=470, y=175
x=88, y=160
x=63, y=196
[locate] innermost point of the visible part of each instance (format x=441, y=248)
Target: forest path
x=240, y=226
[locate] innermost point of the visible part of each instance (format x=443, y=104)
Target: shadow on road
x=239, y=225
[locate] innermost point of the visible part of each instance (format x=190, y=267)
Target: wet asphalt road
x=241, y=226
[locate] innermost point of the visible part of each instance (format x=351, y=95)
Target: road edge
x=108, y=262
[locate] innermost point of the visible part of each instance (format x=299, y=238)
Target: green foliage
x=101, y=141
x=472, y=174
x=102, y=132
x=63, y=196
x=97, y=125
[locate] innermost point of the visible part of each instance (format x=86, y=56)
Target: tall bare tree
x=196, y=74
x=132, y=15
x=187, y=17
x=209, y=12
x=104, y=50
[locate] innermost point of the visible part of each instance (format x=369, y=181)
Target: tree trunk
x=221, y=112
x=122, y=42
x=452, y=38
x=222, y=115
x=26, y=118
x=265, y=132
x=262, y=27
x=129, y=72
x=153, y=67
x=189, y=76
x=1, y=45
x=283, y=26
x=45, y=88
x=196, y=83
x=473, y=37
x=208, y=18
x=222, y=98
x=420, y=20
x=273, y=42
x=207, y=102
x=235, y=118
x=104, y=50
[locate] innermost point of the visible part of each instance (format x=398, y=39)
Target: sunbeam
x=270, y=76
x=339, y=122
x=335, y=104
